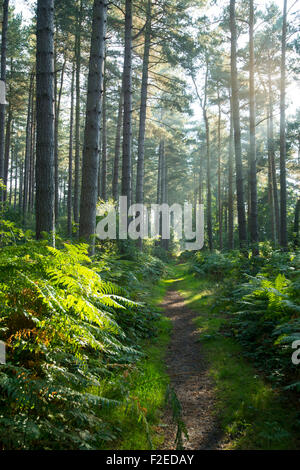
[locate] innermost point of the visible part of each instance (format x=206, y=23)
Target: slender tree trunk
x=272, y=158
x=7, y=150
x=230, y=185
x=90, y=164
x=200, y=177
x=70, y=170
x=77, y=112
x=127, y=124
x=115, y=188
x=296, y=223
x=283, y=192
x=103, y=192
x=143, y=115
x=237, y=130
x=28, y=149
x=21, y=187
x=11, y=176
x=208, y=169
x=252, y=149
x=220, y=209
x=16, y=179
x=33, y=147
x=270, y=189
x=58, y=95
x=3, y=78
x=45, y=221
x=159, y=174
x=143, y=111
x=164, y=187
x=208, y=185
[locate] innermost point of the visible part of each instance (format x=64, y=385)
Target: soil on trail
x=189, y=378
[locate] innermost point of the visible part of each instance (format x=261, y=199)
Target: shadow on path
x=189, y=378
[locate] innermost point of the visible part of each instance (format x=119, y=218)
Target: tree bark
x=272, y=161
x=115, y=188
x=296, y=223
x=3, y=78
x=127, y=123
x=45, y=220
x=70, y=169
x=28, y=149
x=77, y=112
x=208, y=169
x=237, y=130
x=7, y=150
x=103, y=192
x=143, y=115
x=143, y=110
x=283, y=192
x=58, y=95
x=252, y=149
x=90, y=163
x=230, y=185
x=220, y=209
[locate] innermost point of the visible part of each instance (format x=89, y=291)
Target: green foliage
x=64, y=323
x=262, y=297
x=215, y=264
x=252, y=413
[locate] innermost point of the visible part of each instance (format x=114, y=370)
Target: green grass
x=147, y=383
x=252, y=414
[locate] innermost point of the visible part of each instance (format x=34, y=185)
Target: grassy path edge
x=252, y=414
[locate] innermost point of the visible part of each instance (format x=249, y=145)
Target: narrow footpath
x=190, y=379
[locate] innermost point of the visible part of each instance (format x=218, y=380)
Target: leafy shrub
x=215, y=264
x=266, y=322
x=64, y=324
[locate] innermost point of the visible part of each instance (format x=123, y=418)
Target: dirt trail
x=189, y=379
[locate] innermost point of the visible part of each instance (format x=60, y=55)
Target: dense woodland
x=162, y=101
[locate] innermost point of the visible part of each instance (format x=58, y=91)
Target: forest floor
x=189, y=377
x=226, y=404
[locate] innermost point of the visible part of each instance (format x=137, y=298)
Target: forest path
x=190, y=379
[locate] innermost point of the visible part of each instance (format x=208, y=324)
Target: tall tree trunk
x=11, y=175
x=70, y=169
x=283, y=192
x=252, y=149
x=230, y=185
x=21, y=176
x=200, y=177
x=143, y=115
x=127, y=124
x=220, y=209
x=3, y=78
x=28, y=149
x=16, y=178
x=77, y=112
x=103, y=192
x=164, y=187
x=208, y=184
x=159, y=174
x=272, y=159
x=143, y=110
x=270, y=189
x=237, y=130
x=296, y=223
x=7, y=150
x=58, y=95
x=115, y=185
x=45, y=221
x=208, y=169
x=90, y=163
x=33, y=155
